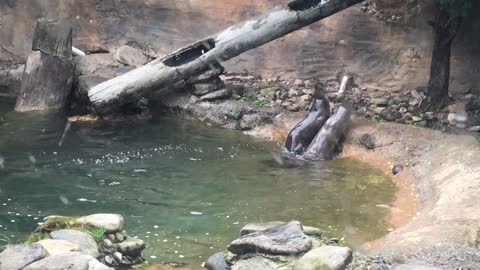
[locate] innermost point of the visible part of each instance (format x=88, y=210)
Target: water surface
x=185, y=188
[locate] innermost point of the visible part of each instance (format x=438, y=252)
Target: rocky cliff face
x=380, y=54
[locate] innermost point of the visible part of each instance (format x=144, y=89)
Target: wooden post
x=326, y=142
x=201, y=56
x=47, y=79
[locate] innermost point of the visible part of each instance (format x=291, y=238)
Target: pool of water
x=185, y=188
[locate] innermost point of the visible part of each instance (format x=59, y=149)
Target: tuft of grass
x=97, y=233
x=252, y=98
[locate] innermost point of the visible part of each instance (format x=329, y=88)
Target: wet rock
x=130, y=56
x=57, y=247
x=93, y=264
x=110, y=222
x=255, y=263
x=414, y=267
x=84, y=240
x=108, y=259
x=117, y=256
x=217, y=262
x=220, y=94
x=107, y=243
x=367, y=141
x=19, y=256
x=131, y=246
x=208, y=87
x=397, y=169
x=69, y=261
x=285, y=239
x=119, y=237
x=325, y=258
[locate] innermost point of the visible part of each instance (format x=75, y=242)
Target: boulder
x=130, y=56
x=287, y=239
x=84, y=240
x=217, y=262
x=220, y=94
x=255, y=263
x=131, y=246
x=325, y=258
x=112, y=223
x=19, y=256
x=68, y=261
x=57, y=247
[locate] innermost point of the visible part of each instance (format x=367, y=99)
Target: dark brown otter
x=303, y=133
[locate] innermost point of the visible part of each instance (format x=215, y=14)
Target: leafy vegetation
x=97, y=233
x=252, y=98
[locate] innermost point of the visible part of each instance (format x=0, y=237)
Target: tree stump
x=48, y=76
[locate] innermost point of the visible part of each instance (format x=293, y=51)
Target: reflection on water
x=184, y=188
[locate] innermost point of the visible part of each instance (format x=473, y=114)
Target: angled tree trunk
x=445, y=28
x=199, y=57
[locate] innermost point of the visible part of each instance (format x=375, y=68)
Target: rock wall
x=384, y=55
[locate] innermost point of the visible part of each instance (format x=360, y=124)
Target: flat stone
x=66, y=261
x=84, y=240
x=381, y=102
x=258, y=227
x=312, y=231
x=112, y=223
x=221, y=94
x=416, y=119
x=325, y=258
x=57, y=247
x=217, y=262
x=131, y=246
x=19, y=256
x=414, y=267
x=285, y=239
x=130, y=56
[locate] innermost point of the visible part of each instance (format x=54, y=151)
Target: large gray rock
x=255, y=263
x=217, y=262
x=325, y=258
x=287, y=239
x=68, y=261
x=112, y=223
x=57, y=247
x=414, y=267
x=131, y=246
x=84, y=240
x=17, y=257
x=130, y=56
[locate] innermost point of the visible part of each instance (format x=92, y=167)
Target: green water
x=185, y=188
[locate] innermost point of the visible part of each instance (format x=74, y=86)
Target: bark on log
x=199, y=57
x=326, y=142
x=47, y=79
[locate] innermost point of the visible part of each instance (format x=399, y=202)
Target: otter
x=303, y=133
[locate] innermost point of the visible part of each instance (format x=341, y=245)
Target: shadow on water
x=185, y=188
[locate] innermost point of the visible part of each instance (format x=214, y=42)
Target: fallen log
x=48, y=75
x=327, y=141
x=207, y=53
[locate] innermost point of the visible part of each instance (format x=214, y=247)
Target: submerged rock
x=287, y=239
x=325, y=258
x=217, y=262
x=17, y=257
x=84, y=240
x=112, y=223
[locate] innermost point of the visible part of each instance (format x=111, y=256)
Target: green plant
x=72, y=223
x=97, y=233
x=252, y=98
